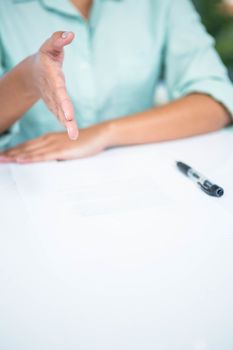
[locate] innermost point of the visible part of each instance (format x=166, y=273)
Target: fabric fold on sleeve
x=192, y=64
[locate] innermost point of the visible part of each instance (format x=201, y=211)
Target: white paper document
x=127, y=180
x=123, y=251
x=114, y=182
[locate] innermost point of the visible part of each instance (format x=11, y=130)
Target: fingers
x=5, y=159
x=43, y=153
x=27, y=146
x=45, y=148
x=55, y=44
x=66, y=113
x=66, y=106
x=12, y=154
x=72, y=130
x=35, y=157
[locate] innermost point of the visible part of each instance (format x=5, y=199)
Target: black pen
x=206, y=185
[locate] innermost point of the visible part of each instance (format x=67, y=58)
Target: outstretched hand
x=50, y=81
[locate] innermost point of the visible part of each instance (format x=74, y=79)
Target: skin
x=40, y=77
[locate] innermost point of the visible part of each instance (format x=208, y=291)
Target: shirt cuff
x=221, y=91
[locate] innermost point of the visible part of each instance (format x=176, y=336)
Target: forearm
x=17, y=93
x=192, y=115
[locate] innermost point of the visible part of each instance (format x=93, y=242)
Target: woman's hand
x=56, y=146
x=49, y=80
x=38, y=76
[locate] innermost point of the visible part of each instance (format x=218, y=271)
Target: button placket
x=88, y=93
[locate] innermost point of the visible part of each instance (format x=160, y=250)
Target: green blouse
x=118, y=57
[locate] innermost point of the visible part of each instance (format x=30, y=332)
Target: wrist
x=110, y=134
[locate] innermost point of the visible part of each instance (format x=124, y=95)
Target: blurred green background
x=218, y=19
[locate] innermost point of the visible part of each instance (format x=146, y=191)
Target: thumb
x=55, y=44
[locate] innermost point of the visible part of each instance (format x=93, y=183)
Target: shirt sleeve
x=191, y=62
x=5, y=138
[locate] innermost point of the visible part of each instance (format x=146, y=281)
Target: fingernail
x=64, y=35
x=66, y=116
x=73, y=135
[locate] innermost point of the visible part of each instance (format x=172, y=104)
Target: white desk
x=156, y=277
